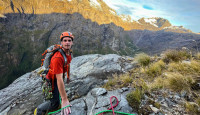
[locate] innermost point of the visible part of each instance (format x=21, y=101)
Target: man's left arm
x=63, y=94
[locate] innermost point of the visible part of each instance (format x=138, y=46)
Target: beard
x=66, y=47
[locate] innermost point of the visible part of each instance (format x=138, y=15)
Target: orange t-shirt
x=56, y=65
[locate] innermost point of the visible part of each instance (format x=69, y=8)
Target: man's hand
x=67, y=110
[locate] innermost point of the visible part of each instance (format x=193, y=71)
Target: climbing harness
x=112, y=107
x=46, y=88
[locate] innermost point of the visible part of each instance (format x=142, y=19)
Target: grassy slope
x=176, y=71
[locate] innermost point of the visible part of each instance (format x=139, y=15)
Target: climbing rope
x=112, y=107
x=101, y=112
x=114, y=112
x=58, y=109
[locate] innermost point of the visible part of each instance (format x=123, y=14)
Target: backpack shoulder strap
x=64, y=56
x=65, y=59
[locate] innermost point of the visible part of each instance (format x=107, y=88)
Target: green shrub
x=143, y=59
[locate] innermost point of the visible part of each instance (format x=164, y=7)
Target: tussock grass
x=112, y=82
x=143, y=59
x=192, y=67
x=178, y=82
x=176, y=56
x=192, y=108
x=198, y=101
x=125, y=79
x=155, y=69
x=198, y=55
x=140, y=84
x=118, y=81
x=158, y=83
x=134, y=98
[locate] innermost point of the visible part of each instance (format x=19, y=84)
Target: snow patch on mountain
x=126, y=18
x=95, y=3
x=123, y=17
x=112, y=12
x=174, y=27
x=152, y=21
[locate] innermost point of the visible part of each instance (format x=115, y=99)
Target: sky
x=179, y=12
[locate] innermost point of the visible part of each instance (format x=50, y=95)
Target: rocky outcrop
x=165, y=102
x=87, y=72
x=98, y=100
x=101, y=100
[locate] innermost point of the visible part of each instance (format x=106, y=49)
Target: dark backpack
x=47, y=85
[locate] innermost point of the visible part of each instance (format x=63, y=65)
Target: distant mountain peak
x=155, y=21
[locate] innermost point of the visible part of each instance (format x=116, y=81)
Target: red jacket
x=56, y=66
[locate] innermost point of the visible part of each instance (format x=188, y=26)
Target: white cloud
x=135, y=8
x=178, y=12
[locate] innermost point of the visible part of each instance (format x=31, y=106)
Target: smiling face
x=67, y=43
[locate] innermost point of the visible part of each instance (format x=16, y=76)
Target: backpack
x=46, y=84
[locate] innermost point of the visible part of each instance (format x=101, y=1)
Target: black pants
x=51, y=104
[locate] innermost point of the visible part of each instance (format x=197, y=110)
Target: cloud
x=124, y=9
x=178, y=12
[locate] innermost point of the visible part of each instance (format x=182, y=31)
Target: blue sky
x=179, y=12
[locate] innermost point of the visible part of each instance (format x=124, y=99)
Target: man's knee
x=38, y=111
x=42, y=108
x=46, y=106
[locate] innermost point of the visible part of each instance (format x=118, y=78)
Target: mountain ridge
x=96, y=10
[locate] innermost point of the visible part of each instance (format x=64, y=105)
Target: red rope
x=112, y=107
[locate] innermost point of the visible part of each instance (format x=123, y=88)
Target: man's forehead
x=67, y=38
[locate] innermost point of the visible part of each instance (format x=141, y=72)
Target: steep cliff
x=25, y=37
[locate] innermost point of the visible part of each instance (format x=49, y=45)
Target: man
x=56, y=74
